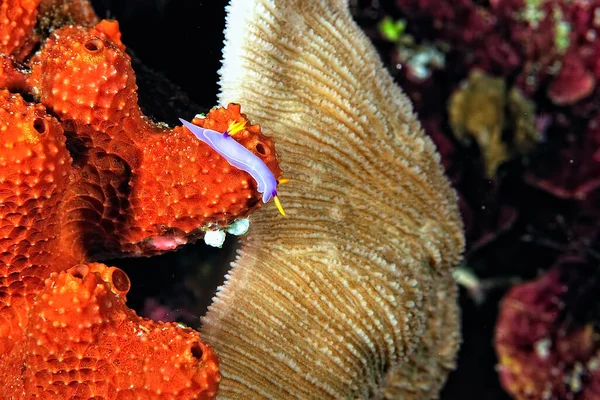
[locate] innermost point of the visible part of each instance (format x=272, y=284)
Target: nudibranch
x=239, y=157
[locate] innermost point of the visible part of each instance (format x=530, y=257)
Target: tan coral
x=351, y=294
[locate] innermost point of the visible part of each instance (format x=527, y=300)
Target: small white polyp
x=214, y=238
x=239, y=227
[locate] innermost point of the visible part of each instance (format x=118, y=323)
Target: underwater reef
x=505, y=89
x=344, y=288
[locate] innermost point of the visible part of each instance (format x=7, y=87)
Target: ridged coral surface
x=84, y=176
x=351, y=295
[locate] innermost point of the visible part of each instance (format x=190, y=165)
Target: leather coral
x=351, y=295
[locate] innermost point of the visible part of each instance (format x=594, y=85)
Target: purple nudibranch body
x=239, y=157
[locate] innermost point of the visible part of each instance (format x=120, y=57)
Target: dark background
x=181, y=39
